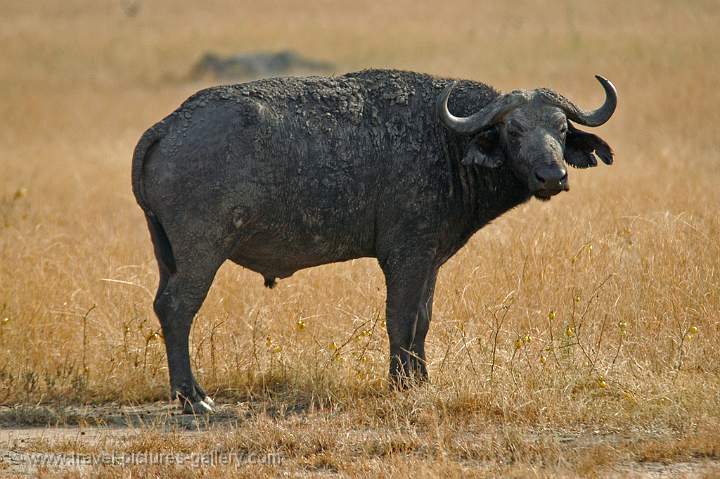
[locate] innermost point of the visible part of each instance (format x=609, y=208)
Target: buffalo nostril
x=551, y=175
x=552, y=178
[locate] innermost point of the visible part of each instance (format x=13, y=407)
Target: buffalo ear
x=579, y=148
x=484, y=149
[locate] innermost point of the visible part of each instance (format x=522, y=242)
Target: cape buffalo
x=283, y=174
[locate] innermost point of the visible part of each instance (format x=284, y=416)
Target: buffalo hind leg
x=178, y=299
x=406, y=276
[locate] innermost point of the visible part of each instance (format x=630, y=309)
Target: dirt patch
x=160, y=414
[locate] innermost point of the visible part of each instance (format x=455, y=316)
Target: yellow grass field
x=577, y=337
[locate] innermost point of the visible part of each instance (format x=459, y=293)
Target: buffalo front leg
x=418, y=364
x=176, y=304
x=407, y=276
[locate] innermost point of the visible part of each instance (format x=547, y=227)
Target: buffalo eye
x=514, y=134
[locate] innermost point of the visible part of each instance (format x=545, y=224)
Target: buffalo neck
x=487, y=193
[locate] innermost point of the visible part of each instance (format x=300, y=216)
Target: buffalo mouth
x=546, y=194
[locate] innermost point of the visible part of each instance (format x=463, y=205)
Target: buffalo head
x=533, y=133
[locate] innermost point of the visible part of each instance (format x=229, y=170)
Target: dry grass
x=628, y=261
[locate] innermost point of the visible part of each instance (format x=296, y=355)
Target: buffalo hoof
x=198, y=407
x=194, y=400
